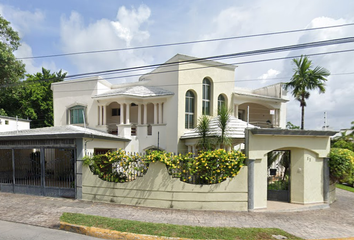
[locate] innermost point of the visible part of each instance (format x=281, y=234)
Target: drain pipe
x=86, y=141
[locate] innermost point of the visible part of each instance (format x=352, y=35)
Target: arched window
x=77, y=115
x=206, y=97
x=189, y=117
x=221, y=102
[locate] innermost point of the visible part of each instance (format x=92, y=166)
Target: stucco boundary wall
x=158, y=189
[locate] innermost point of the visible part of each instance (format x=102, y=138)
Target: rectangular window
x=115, y=111
x=6, y=122
x=77, y=116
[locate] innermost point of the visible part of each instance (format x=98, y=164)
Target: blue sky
x=55, y=27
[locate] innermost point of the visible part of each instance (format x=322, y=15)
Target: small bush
x=341, y=165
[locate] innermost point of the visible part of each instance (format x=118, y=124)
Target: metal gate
x=43, y=171
x=279, y=176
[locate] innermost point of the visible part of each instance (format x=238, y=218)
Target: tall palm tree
x=305, y=79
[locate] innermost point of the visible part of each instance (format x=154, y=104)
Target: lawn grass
x=345, y=187
x=169, y=230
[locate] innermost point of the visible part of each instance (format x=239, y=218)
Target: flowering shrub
x=341, y=165
x=208, y=167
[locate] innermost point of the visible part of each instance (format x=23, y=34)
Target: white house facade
x=161, y=108
x=13, y=123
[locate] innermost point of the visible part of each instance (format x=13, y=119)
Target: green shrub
x=341, y=165
x=208, y=167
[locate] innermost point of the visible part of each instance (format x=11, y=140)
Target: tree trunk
x=302, y=111
x=302, y=117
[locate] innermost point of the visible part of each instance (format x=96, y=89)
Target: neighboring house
x=13, y=124
x=164, y=105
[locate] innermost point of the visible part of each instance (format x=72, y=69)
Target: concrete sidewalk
x=334, y=222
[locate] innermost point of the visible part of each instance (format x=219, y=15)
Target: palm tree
x=304, y=80
x=203, y=130
x=223, y=120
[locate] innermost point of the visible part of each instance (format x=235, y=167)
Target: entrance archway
x=278, y=175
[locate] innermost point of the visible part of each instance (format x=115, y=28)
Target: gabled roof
x=66, y=131
x=136, y=91
x=235, y=129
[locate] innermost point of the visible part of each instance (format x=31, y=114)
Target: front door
x=279, y=176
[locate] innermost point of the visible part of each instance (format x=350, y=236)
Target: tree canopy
x=305, y=79
x=11, y=69
x=32, y=98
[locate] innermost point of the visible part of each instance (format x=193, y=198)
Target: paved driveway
x=335, y=222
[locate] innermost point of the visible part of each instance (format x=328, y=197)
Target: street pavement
x=334, y=222
x=19, y=231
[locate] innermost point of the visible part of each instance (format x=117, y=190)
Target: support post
x=145, y=114
x=42, y=161
x=13, y=171
x=325, y=180
x=155, y=113
x=250, y=167
x=139, y=114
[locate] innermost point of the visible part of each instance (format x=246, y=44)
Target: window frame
x=79, y=120
x=189, y=110
x=206, y=97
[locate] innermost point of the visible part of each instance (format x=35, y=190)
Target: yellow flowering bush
x=209, y=167
x=341, y=165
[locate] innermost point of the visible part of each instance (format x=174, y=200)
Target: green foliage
x=341, y=165
x=32, y=99
x=11, y=70
x=305, y=79
x=203, y=128
x=223, y=120
x=289, y=125
x=210, y=166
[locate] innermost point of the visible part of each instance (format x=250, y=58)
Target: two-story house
x=164, y=106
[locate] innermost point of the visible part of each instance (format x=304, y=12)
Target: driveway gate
x=279, y=176
x=42, y=171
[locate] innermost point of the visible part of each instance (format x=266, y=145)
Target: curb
x=109, y=234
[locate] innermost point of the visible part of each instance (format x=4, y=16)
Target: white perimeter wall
x=158, y=189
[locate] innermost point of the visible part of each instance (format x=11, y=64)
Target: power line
x=226, y=56
x=187, y=42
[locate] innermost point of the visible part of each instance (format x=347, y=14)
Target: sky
x=69, y=26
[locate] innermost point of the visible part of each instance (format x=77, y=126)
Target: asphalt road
x=19, y=231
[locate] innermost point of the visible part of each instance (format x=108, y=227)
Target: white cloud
x=271, y=73
x=104, y=34
x=22, y=21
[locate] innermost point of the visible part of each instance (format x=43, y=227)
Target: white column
x=139, y=114
x=236, y=111
x=99, y=115
x=155, y=113
x=121, y=113
x=104, y=115
x=145, y=114
x=128, y=114
x=160, y=113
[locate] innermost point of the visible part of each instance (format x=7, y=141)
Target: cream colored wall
x=168, y=81
x=76, y=92
x=265, y=143
x=222, y=80
x=313, y=168
x=260, y=183
x=297, y=176
x=158, y=189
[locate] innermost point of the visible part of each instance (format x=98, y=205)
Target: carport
x=44, y=162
